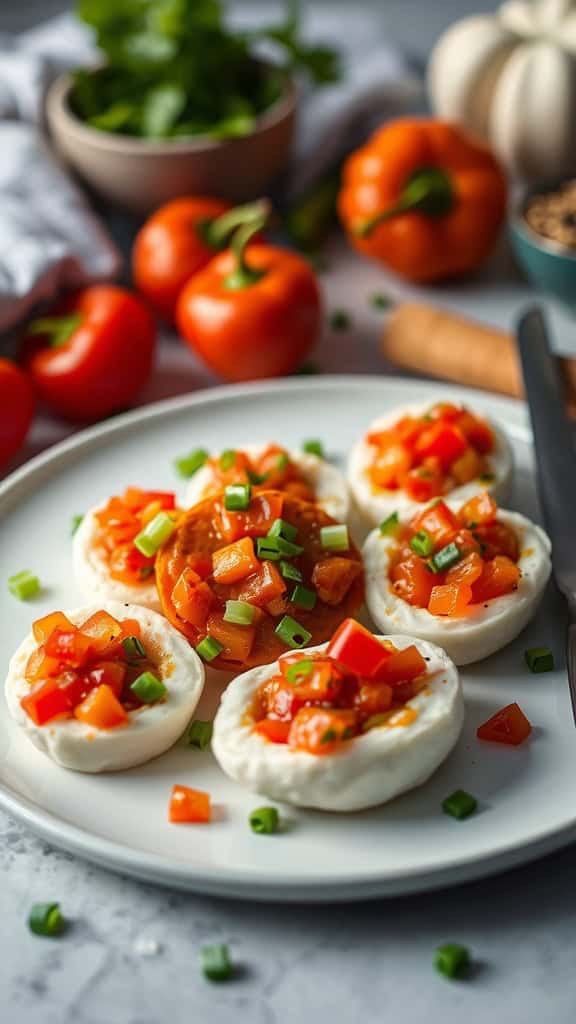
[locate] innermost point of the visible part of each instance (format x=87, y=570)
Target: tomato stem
x=216, y=231
x=428, y=190
x=57, y=329
x=243, y=275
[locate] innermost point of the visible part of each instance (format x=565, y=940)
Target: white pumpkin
x=510, y=78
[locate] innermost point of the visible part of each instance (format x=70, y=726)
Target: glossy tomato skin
x=169, y=249
x=106, y=361
x=16, y=409
x=262, y=330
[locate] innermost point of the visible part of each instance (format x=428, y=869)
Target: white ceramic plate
x=526, y=795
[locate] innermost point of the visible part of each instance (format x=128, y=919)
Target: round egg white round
x=151, y=729
x=92, y=572
x=322, y=477
x=486, y=627
x=377, y=505
x=366, y=771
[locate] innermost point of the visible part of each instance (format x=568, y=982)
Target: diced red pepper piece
x=437, y=520
x=333, y=577
x=500, y=576
x=189, y=806
x=445, y=411
x=46, y=702
x=498, y=539
x=412, y=581
x=128, y=565
x=320, y=730
x=422, y=484
x=44, y=627
x=322, y=683
x=450, y=599
x=69, y=646
x=273, y=730
x=265, y=508
x=109, y=673
x=278, y=699
x=261, y=587
x=389, y=466
x=468, y=570
x=479, y=510
x=467, y=467
x=373, y=698
x=509, y=726
x=443, y=439
x=192, y=598
x=477, y=432
x=357, y=649
x=402, y=667
x=235, y=561
x=101, y=709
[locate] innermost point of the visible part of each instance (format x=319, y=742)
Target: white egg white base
x=92, y=573
x=485, y=628
x=151, y=730
x=378, y=505
x=322, y=477
x=368, y=770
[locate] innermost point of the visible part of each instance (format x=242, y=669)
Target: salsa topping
x=446, y=561
x=429, y=455
x=272, y=469
x=243, y=585
x=96, y=672
x=133, y=527
x=317, y=701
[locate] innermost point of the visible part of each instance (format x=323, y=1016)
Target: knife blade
x=555, y=461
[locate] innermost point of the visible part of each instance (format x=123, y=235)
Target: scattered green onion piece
x=267, y=548
x=303, y=597
x=227, y=459
x=237, y=497
x=239, y=612
x=264, y=821
x=292, y=633
x=389, y=527
x=282, y=462
x=209, y=648
x=133, y=648
x=380, y=301
x=335, y=538
x=280, y=528
x=314, y=448
x=422, y=543
x=256, y=478
x=24, y=585
x=299, y=671
x=200, y=734
x=539, y=659
x=148, y=688
x=290, y=572
x=189, y=464
x=216, y=964
x=445, y=558
x=460, y=804
x=154, y=534
x=452, y=960
x=288, y=548
x=46, y=919
x=340, y=320
x=75, y=523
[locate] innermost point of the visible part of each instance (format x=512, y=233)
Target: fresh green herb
x=445, y=558
x=209, y=648
x=274, y=547
x=154, y=534
x=460, y=804
x=264, y=821
x=75, y=523
x=239, y=612
x=422, y=543
x=237, y=497
x=335, y=538
x=227, y=459
x=256, y=478
x=200, y=734
x=216, y=964
x=290, y=572
x=148, y=688
x=380, y=301
x=299, y=671
x=304, y=598
x=340, y=320
x=452, y=960
x=24, y=585
x=282, y=462
x=389, y=527
x=292, y=633
x=189, y=464
x=280, y=528
x=314, y=448
x=539, y=659
x=46, y=919
x=133, y=648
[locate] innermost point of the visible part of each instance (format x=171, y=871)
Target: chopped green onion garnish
x=24, y=585
x=148, y=688
x=46, y=919
x=299, y=671
x=380, y=301
x=340, y=320
x=280, y=528
x=460, y=804
x=227, y=459
x=200, y=734
x=237, y=497
x=422, y=543
x=75, y=523
x=264, y=821
x=216, y=964
x=452, y=960
x=313, y=448
x=209, y=648
x=292, y=633
x=445, y=558
x=154, y=534
x=539, y=659
x=189, y=464
x=274, y=547
x=290, y=572
x=303, y=597
x=256, y=478
x=335, y=538
x=282, y=462
x=133, y=648
x=288, y=548
x=239, y=612
x=389, y=527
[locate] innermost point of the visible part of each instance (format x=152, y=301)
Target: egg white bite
x=368, y=770
x=151, y=729
x=327, y=482
x=377, y=504
x=92, y=572
x=485, y=627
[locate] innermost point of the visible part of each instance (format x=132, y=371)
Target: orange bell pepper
x=237, y=641
x=450, y=599
x=423, y=198
x=273, y=730
x=192, y=598
x=402, y=667
x=101, y=709
x=235, y=562
x=499, y=576
x=320, y=730
x=189, y=806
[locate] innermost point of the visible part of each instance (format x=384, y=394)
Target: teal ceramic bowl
x=550, y=266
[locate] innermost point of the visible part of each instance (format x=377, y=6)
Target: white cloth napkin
x=51, y=240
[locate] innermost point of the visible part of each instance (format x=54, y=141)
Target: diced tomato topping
x=261, y=587
x=357, y=649
x=46, y=702
x=299, y=489
x=320, y=731
x=70, y=647
x=466, y=571
x=439, y=521
x=373, y=698
x=498, y=539
x=477, y=432
x=422, y=484
x=479, y=511
x=322, y=683
x=273, y=730
x=235, y=562
x=390, y=466
x=128, y=565
x=189, y=806
x=121, y=519
x=467, y=542
x=500, y=576
x=44, y=627
x=402, y=667
x=192, y=598
x=444, y=440
x=265, y=508
x=333, y=577
x=277, y=699
x=467, y=467
x=237, y=641
x=444, y=411
x=509, y=726
x=39, y=666
x=200, y=564
x=107, y=673
x=101, y=709
x=450, y=599
x=412, y=581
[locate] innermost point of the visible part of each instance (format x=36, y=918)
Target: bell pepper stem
x=244, y=275
x=56, y=329
x=217, y=230
x=428, y=190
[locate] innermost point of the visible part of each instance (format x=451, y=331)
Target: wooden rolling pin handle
x=439, y=343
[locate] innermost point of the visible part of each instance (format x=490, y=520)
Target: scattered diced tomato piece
x=299, y=489
x=237, y=641
x=275, y=465
x=40, y=666
x=357, y=649
x=479, y=510
x=277, y=699
x=192, y=598
x=69, y=646
x=422, y=484
x=200, y=564
x=444, y=411
x=443, y=439
x=373, y=698
x=390, y=465
x=450, y=599
x=321, y=730
x=467, y=467
x=498, y=539
x=402, y=667
x=236, y=473
x=46, y=702
x=468, y=570
x=437, y=520
x=235, y=561
x=323, y=683
x=500, y=576
x=109, y=673
x=273, y=730
x=477, y=432
x=333, y=577
x=189, y=806
x=128, y=565
x=101, y=709
x=44, y=627
x=261, y=587
x=509, y=726
x=467, y=542
x=412, y=581
x=265, y=508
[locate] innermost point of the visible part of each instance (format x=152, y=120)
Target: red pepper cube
x=189, y=806
x=357, y=649
x=444, y=440
x=509, y=726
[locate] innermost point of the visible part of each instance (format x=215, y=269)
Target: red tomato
x=357, y=649
x=101, y=362
x=509, y=726
x=16, y=409
x=189, y=806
